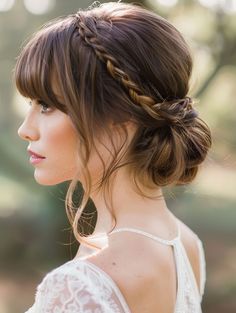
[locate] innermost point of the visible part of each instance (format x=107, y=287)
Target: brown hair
x=119, y=62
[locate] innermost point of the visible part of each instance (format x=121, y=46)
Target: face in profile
x=54, y=146
x=53, y=143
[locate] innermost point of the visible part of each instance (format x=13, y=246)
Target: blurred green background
x=34, y=232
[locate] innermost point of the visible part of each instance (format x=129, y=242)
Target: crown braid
x=165, y=112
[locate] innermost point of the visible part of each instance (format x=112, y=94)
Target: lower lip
x=35, y=160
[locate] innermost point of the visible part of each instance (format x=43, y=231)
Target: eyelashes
x=45, y=108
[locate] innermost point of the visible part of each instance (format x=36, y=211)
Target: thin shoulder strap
x=141, y=232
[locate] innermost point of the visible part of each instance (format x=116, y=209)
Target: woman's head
x=119, y=67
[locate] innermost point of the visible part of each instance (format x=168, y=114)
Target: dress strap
x=141, y=232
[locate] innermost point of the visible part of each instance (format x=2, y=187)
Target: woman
x=109, y=108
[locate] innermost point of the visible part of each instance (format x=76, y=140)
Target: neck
x=130, y=208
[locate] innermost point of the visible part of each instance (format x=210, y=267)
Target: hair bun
x=186, y=103
x=171, y=156
x=178, y=112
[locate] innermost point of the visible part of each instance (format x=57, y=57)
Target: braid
x=165, y=112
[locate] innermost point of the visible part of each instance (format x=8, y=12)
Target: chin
x=47, y=180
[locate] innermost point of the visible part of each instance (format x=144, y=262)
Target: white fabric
x=79, y=286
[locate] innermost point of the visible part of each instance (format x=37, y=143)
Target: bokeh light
x=210, y=3
x=20, y=105
x=33, y=222
x=167, y=3
x=229, y=6
x=6, y=5
x=39, y=7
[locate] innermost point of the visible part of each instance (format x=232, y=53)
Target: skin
x=52, y=134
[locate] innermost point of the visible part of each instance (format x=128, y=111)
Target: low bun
x=170, y=154
x=198, y=142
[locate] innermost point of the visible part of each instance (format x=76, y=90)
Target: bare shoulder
x=187, y=231
x=135, y=263
x=142, y=269
x=189, y=238
x=127, y=256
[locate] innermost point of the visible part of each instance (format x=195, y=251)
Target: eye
x=45, y=107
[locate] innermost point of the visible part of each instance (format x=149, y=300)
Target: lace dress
x=78, y=286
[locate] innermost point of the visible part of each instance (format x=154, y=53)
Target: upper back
x=134, y=274
x=145, y=270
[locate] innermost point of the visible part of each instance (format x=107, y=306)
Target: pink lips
x=35, y=158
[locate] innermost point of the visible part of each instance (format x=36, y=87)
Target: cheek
x=61, y=150
x=63, y=143
x=63, y=146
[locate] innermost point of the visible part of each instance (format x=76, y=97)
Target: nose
x=28, y=131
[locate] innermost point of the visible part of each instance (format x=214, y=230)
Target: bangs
x=35, y=71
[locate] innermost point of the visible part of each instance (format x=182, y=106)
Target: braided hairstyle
x=174, y=115
x=120, y=62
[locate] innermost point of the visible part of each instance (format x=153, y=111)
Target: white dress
x=78, y=286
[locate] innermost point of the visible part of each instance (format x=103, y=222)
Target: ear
x=130, y=125
x=130, y=128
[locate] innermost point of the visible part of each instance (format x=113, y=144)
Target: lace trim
x=188, y=294
x=78, y=287
x=110, y=282
x=95, y=284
